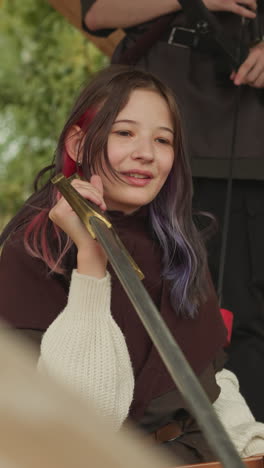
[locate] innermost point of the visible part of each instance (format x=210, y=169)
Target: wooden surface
x=71, y=10
x=252, y=462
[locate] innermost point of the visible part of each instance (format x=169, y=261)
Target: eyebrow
x=135, y=122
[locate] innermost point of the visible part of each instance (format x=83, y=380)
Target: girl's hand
x=91, y=258
x=251, y=72
x=244, y=8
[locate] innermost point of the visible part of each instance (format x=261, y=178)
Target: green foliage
x=44, y=63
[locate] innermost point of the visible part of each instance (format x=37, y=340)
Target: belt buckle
x=192, y=32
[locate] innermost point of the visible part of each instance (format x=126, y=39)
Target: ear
x=73, y=143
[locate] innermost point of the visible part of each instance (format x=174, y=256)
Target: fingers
x=92, y=190
x=96, y=181
x=259, y=83
x=56, y=209
x=239, y=10
x=244, y=69
x=254, y=73
x=244, y=8
x=252, y=4
x=66, y=219
x=251, y=71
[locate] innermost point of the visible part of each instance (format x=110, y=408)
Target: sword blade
x=170, y=352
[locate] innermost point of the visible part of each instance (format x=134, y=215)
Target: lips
x=138, y=174
x=137, y=178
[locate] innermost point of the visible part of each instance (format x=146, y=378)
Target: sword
x=130, y=276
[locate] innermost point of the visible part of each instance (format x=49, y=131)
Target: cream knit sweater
x=86, y=349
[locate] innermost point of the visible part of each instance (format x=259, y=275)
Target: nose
x=144, y=150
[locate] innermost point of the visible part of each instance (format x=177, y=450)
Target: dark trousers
x=243, y=286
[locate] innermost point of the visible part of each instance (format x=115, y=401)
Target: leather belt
x=167, y=433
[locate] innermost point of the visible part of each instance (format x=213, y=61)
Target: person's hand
x=244, y=8
x=251, y=72
x=91, y=258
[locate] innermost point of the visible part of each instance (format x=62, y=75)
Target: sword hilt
x=86, y=210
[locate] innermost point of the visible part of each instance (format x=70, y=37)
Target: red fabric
x=228, y=318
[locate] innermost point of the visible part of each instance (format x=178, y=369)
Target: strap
x=146, y=41
x=207, y=25
x=226, y=223
x=167, y=433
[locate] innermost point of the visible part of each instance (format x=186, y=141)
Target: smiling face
x=140, y=149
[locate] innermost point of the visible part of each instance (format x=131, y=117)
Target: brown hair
x=171, y=220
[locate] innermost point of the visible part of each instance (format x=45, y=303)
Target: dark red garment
x=31, y=299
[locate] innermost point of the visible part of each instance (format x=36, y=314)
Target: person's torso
x=207, y=100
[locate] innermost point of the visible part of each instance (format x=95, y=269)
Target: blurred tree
x=44, y=62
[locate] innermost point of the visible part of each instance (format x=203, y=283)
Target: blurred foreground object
x=43, y=425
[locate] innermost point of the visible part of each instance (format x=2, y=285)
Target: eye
x=163, y=141
x=123, y=133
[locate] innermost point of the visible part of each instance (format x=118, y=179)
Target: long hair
x=95, y=110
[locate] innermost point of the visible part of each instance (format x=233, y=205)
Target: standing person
x=206, y=89
x=124, y=136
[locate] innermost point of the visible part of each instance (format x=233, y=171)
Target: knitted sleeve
x=246, y=433
x=85, y=348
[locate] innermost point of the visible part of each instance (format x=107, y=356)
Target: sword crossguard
x=86, y=210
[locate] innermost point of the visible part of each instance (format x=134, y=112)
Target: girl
x=124, y=138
